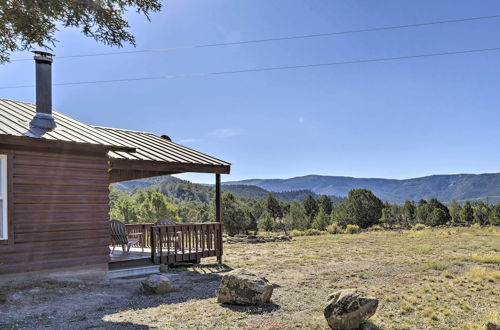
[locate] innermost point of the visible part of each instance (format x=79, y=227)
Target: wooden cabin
x=55, y=173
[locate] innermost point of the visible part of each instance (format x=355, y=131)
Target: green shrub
x=419, y=226
x=352, y=229
x=312, y=232
x=334, y=229
x=375, y=228
x=296, y=232
x=308, y=232
x=475, y=225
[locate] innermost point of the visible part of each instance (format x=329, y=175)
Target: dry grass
x=424, y=279
x=486, y=258
x=427, y=279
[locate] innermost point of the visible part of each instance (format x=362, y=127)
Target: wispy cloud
x=190, y=140
x=226, y=132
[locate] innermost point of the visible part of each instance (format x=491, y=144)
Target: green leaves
x=363, y=208
x=145, y=206
x=234, y=215
x=26, y=24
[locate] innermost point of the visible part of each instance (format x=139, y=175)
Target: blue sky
x=398, y=119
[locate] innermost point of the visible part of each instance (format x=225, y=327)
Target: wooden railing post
x=153, y=245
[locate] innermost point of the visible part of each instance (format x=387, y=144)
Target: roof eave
x=168, y=167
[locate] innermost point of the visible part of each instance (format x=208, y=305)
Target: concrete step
x=133, y=271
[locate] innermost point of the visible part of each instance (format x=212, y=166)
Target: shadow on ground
x=254, y=310
x=370, y=326
x=85, y=304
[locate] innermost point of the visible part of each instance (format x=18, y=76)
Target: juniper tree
x=275, y=211
x=321, y=221
x=325, y=204
x=467, y=213
x=363, y=208
x=454, y=208
x=311, y=207
x=409, y=212
x=25, y=24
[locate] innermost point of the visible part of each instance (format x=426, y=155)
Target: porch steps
x=133, y=271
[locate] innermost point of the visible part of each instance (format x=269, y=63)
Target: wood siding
x=59, y=211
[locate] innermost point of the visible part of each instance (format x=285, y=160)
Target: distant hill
x=147, y=182
x=257, y=192
x=181, y=190
x=460, y=187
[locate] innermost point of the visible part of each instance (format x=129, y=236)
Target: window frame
x=4, y=196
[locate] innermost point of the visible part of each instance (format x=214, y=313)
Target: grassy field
x=429, y=279
x=435, y=278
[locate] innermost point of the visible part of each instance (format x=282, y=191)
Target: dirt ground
x=430, y=279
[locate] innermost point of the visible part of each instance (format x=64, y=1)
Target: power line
x=384, y=28
x=383, y=59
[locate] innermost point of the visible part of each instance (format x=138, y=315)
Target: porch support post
x=218, y=215
x=217, y=198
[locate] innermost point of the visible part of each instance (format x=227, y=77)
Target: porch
x=168, y=244
x=165, y=244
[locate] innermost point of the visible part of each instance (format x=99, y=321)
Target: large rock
x=349, y=308
x=240, y=287
x=156, y=284
x=492, y=326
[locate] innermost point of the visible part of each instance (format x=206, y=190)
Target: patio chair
x=119, y=236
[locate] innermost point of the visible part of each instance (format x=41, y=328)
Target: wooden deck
x=188, y=242
x=168, y=244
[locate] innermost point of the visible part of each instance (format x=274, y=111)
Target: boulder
x=156, y=284
x=349, y=308
x=492, y=326
x=240, y=287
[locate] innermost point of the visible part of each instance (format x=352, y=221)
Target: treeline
x=361, y=209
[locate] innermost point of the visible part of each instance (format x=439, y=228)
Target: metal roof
x=15, y=117
x=155, y=148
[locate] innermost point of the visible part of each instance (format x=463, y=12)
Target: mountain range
x=460, y=187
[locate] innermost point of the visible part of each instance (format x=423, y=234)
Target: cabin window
x=3, y=197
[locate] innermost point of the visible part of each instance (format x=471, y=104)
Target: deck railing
x=186, y=242
x=182, y=242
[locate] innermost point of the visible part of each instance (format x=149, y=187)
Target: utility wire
x=382, y=59
x=276, y=39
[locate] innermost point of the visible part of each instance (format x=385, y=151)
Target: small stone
x=492, y=326
x=240, y=287
x=156, y=284
x=349, y=308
